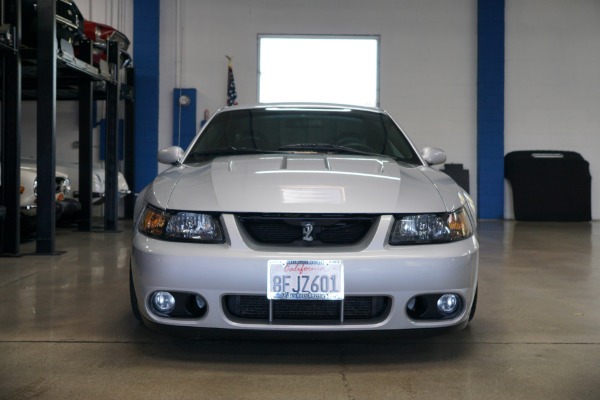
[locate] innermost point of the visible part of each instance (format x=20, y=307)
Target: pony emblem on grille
x=306, y=231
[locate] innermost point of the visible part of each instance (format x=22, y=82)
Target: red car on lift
x=99, y=34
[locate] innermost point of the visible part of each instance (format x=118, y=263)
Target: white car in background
x=98, y=182
x=28, y=196
x=67, y=191
x=28, y=189
x=303, y=217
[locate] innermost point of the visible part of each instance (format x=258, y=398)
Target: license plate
x=305, y=280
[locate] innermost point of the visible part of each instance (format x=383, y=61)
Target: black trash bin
x=549, y=185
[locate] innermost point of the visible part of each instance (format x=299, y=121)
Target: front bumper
x=239, y=268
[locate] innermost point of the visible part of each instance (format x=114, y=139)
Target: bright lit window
x=327, y=69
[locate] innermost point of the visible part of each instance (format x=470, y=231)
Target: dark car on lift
x=69, y=22
x=72, y=27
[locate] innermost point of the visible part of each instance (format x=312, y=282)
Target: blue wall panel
x=490, y=109
x=146, y=23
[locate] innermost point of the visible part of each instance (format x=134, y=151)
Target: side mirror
x=170, y=155
x=433, y=155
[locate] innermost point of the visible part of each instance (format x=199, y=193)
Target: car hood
x=304, y=184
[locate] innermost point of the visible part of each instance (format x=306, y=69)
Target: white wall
x=553, y=81
x=428, y=58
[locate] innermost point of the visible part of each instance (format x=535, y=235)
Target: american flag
x=231, y=92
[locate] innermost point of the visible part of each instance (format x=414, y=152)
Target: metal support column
x=111, y=210
x=11, y=134
x=86, y=98
x=46, y=127
x=129, y=145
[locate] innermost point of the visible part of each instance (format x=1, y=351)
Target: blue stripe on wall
x=146, y=23
x=490, y=108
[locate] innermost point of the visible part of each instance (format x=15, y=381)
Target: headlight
x=65, y=186
x=181, y=226
x=431, y=228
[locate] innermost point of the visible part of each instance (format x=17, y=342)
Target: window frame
x=376, y=38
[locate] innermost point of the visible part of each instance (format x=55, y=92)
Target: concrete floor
x=66, y=332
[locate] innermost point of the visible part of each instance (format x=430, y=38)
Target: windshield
x=302, y=130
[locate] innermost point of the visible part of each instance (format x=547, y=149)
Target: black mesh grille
x=356, y=308
x=325, y=230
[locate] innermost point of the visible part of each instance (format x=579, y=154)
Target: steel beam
x=111, y=205
x=86, y=99
x=46, y=127
x=11, y=135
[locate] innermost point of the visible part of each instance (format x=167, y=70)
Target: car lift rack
x=47, y=75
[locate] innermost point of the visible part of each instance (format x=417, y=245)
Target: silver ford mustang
x=303, y=217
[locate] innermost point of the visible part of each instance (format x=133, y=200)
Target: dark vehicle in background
x=69, y=22
x=72, y=27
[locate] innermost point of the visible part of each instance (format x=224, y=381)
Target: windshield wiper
x=326, y=148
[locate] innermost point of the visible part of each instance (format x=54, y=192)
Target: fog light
x=163, y=302
x=448, y=304
x=200, y=302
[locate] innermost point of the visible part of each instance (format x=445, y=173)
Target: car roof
x=300, y=105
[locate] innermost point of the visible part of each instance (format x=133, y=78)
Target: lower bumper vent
x=256, y=309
